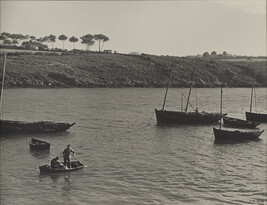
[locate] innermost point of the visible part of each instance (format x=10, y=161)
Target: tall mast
x=250, y=110
x=192, y=80
x=182, y=102
x=221, y=109
x=163, y=106
x=3, y=81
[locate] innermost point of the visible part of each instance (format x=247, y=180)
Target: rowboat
x=75, y=165
x=236, y=135
x=36, y=144
x=234, y=122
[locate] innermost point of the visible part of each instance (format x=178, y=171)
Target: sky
x=177, y=28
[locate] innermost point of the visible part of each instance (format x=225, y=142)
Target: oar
x=79, y=161
x=76, y=158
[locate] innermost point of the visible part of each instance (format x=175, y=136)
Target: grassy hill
x=118, y=70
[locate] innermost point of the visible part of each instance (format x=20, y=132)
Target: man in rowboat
x=55, y=163
x=66, y=155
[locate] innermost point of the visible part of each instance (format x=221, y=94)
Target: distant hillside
x=118, y=70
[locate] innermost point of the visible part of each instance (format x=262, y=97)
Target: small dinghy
x=234, y=122
x=36, y=144
x=75, y=165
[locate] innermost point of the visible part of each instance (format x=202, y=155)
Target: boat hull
x=9, y=126
x=48, y=169
x=36, y=144
x=236, y=135
x=256, y=117
x=234, y=122
x=175, y=117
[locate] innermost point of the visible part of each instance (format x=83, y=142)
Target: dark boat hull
x=175, y=117
x=234, y=122
x=235, y=135
x=9, y=126
x=36, y=144
x=48, y=169
x=256, y=117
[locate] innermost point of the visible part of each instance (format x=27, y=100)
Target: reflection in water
x=40, y=154
x=67, y=187
x=132, y=159
x=228, y=142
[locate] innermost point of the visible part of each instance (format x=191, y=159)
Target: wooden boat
x=234, y=135
x=12, y=126
x=183, y=117
x=36, y=144
x=254, y=116
x=75, y=165
x=176, y=117
x=228, y=135
x=235, y=122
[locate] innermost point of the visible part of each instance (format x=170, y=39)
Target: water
x=130, y=159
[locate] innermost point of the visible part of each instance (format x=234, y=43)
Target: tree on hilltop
x=206, y=55
x=99, y=38
x=52, y=39
x=213, y=53
x=62, y=38
x=45, y=39
x=33, y=38
x=73, y=40
x=88, y=40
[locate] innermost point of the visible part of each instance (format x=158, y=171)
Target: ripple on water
x=130, y=159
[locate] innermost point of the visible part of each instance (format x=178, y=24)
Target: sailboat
x=184, y=117
x=234, y=135
x=12, y=126
x=253, y=116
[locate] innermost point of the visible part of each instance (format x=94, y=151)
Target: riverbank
x=120, y=70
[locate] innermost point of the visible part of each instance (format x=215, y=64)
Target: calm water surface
x=130, y=159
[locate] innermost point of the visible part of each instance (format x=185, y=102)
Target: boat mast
x=221, y=109
x=251, y=98
x=182, y=102
x=192, y=80
x=2, y=86
x=163, y=106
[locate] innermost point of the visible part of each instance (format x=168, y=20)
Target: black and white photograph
x=133, y=102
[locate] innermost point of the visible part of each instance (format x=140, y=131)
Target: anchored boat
x=36, y=144
x=235, y=122
x=254, y=116
x=234, y=135
x=12, y=126
x=183, y=117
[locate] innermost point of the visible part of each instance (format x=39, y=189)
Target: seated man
x=55, y=163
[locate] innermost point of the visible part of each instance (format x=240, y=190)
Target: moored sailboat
x=12, y=126
x=255, y=116
x=184, y=117
x=234, y=135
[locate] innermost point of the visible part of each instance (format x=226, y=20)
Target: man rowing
x=66, y=155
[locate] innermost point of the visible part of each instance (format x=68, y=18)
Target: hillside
x=118, y=70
